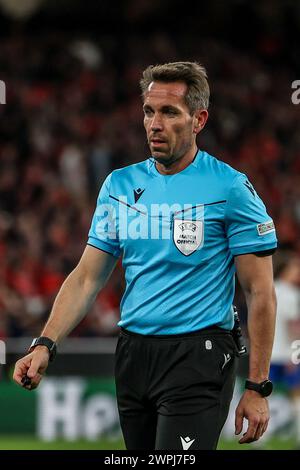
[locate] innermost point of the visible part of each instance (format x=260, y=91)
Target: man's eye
x=171, y=112
x=148, y=112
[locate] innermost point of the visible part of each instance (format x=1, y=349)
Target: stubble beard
x=167, y=161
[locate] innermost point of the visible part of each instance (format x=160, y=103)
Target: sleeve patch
x=265, y=228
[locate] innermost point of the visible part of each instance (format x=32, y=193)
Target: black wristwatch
x=44, y=341
x=265, y=388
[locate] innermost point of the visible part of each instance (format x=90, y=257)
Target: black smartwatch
x=264, y=388
x=44, y=341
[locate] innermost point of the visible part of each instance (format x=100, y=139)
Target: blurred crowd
x=74, y=113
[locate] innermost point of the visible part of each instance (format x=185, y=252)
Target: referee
x=183, y=222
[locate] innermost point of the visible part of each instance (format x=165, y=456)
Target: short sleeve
x=103, y=231
x=249, y=228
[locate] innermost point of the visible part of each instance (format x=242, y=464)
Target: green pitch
x=31, y=443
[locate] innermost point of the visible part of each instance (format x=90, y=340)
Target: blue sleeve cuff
x=102, y=245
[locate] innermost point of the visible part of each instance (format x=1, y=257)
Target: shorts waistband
x=213, y=329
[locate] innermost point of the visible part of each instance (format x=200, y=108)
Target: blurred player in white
x=283, y=371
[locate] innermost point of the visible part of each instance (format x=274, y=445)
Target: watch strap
x=44, y=341
x=263, y=388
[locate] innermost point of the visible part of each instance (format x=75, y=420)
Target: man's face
x=167, y=120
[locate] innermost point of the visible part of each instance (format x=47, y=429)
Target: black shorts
x=175, y=389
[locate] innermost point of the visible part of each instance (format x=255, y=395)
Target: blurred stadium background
x=73, y=114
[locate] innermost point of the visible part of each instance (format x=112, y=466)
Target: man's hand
x=255, y=409
x=33, y=365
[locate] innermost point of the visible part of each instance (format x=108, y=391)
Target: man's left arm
x=255, y=275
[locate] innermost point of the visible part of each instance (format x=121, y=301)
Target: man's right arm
x=73, y=301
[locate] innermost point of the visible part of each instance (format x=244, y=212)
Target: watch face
x=267, y=388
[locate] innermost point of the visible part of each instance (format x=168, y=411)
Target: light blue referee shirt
x=178, y=235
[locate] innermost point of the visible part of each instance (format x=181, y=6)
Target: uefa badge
x=188, y=235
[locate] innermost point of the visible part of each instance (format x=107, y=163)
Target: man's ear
x=200, y=118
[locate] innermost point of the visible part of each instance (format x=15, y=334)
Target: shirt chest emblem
x=188, y=235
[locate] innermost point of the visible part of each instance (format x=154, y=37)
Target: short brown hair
x=191, y=73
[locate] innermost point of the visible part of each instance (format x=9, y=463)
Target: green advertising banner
x=69, y=408
x=83, y=410
x=17, y=410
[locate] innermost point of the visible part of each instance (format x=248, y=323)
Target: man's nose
x=156, y=123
